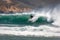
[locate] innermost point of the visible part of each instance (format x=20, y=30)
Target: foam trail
x=42, y=30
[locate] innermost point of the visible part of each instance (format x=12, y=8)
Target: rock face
x=13, y=6
x=24, y=5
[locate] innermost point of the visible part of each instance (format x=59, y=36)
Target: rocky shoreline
x=13, y=6
x=14, y=10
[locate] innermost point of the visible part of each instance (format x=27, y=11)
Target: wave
x=22, y=20
x=46, y=30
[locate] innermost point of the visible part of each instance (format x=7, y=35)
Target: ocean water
x=10, y=37
x=17, y=27
x=22, y=20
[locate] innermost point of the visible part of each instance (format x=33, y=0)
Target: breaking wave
x=47, y=30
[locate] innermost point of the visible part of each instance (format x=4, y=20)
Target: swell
x=21, y=20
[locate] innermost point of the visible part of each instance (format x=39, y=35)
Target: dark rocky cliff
x=24, y=5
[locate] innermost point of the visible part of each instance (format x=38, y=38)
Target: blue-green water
x=21, y=20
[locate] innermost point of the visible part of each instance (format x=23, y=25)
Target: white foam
x=41, y=14
x=42, y=30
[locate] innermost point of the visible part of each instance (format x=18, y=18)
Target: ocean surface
x=16, y=26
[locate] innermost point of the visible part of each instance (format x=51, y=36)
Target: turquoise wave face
x=21, y=19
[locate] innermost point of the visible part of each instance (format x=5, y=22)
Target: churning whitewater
x=46, y=30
